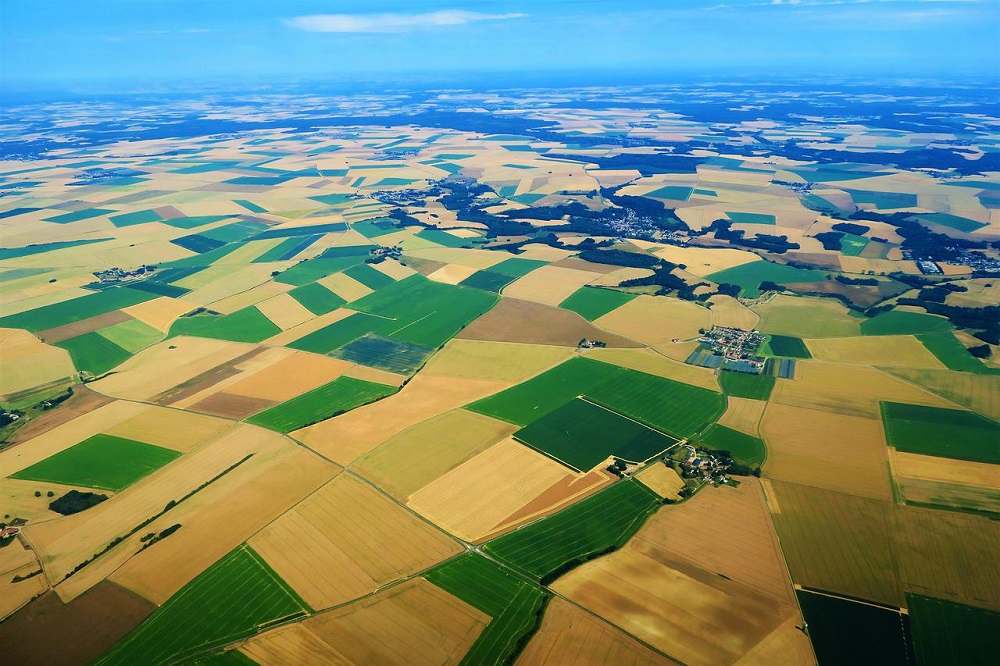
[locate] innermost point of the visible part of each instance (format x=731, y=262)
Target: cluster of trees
x=852, y=228
x=863, y=282
x=620, y=258
x=722, y=230
x=830, y=240
x=75, y=501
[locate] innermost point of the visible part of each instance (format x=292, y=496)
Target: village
x=737, y=346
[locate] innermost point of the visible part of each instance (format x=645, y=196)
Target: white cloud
x=390, y=22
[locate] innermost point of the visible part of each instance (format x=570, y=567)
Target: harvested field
x=945, y=470
x=286, y=645
x=980, y=393
x=452, y=273
x=550, y=285
x=850, y=390
x=169, y=364
x=17, y=498
x=704, y=261
x=950, y=555
x=29, y=363
x=231, y=406
x=687, y=612
x=411, y=624
x=478, y=359
x=420, y=454
x=657, y=321
x=513, y=320
x=837, y=542
x=807, y=317
x=650, y=362
x=284, y=311
x=662, y=480
x=883, y=350
x=345, y=286
x=346, y=437
x=826, y=450
x=473, y=498
x=727, y=311
x=161, y=312
x=217, y=519
x=290, y=376
x=557, y=497
x=743, y=414
x=347, y=540
x=737, y=520
x=172, y=428
x=569, y=635
x=50, y=632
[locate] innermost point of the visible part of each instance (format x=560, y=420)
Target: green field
x=231, y=599
x=963, y=224
x=853, y=245
x=94, y=353
x=848, y=632
x=581, y=435
x=102, y=461
x=77, y=215
x=375, y=227
x=287, y=248
x=138, y=217
x=751, y=218
x=132, y=336
x=745, y=385
x=745, y=449
x=602, y=522
x=443, y=238
x=672, y=192
x=899, y=322
x=340, y=395
x=316, y=298
x=949, y=433
x=786, y=346
x=425, y=312
x=883, y=200
x=368, y=276
x=678, y=409
x=246, y=325
x=384, y=353
x=946, y=347
x=593, y=302
x=340, y=333
x=749, y=276
x=515, y=605
x=39, y=248
x=488, y=281
x=75, y=310
x=311, y=270
x=516, y=267
x=950, y=634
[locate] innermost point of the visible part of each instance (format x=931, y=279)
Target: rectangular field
x=838, y=627
x=950, y=634
x=745, y=449
x=341, y=395
x=581, y=435
x=386, y=354
x=101, y=461
x=745, y=385
x=94, y=353
x=602, y=522
x=592, y=302
x=950, y=433
x=514, y=604
x=229, y=600
x=787, y=346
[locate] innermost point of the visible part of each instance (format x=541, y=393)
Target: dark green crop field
x=949, y=433
x=745, y=385
x=581, y=434
x=94, y=353
x=787, y=346
x=102, y=461
x=593, y=302
x=230, y=600
x=598, y=524
x=514, y=604
x=316, y=298
x=946, y=347
x=848, y=632
x=340, y=333
x=384, y=353
x=340, y=395
x=949, y=634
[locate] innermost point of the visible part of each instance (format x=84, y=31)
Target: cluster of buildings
x=701, y=463
x=735, y=344
x=387, y=252
x=116, y=275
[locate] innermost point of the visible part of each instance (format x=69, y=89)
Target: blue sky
x=74, y=42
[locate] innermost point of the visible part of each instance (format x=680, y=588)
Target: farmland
x=786, y=345
x=515, y=605
x=837, y=626
x=745, y=449
x=951, y=634
x=745, y=385
x=592, y=303
x=595, y=525
x=100, y=461
x=340, y=395
x=950, y=433
x=582, y=434
x=233, y=598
